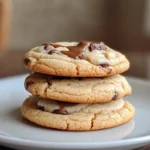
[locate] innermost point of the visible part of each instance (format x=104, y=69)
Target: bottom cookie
x=79, y=117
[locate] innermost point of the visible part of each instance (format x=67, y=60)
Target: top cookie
x=83, y=59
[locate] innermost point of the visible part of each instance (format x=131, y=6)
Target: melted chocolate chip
x=99, y=46
x=45, y=46
x=105, y=65
x=62, y=107
x=53, y=52
x=26, y=61
x=81, y=56
x=48, y=47
x=28, y=84
x=42, y=108
x=75, y=51
x=115, y=96
x=58, y=111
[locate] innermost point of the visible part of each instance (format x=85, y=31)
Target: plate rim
x=77, y=145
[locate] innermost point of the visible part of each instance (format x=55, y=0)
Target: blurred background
x=122, y=24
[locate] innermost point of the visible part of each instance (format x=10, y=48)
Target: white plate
x=18, y=133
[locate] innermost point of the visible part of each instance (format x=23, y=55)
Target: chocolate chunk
x=81, y=56
x=45, y=46
x=42, y=108
x=48, y=47
x=53, y=52
x=100, y=46
x=59, y=111
x=26, y=61
x=115, y=96
x=105, y=65
x=28, y=84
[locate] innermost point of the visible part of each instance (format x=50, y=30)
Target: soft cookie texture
x=83, y=59
x=84, y=119
x=78, y=90
x=68, y=108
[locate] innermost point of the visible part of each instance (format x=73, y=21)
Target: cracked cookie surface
x=90, y=117
x=78, y=90
x=84, y=59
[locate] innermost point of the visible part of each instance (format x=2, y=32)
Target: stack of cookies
x=77, y=86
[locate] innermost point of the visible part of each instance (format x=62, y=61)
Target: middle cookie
x=78, y=90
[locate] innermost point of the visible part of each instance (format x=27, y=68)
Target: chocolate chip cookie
x=73, y=116
x=78, y=90
x=76, y=59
